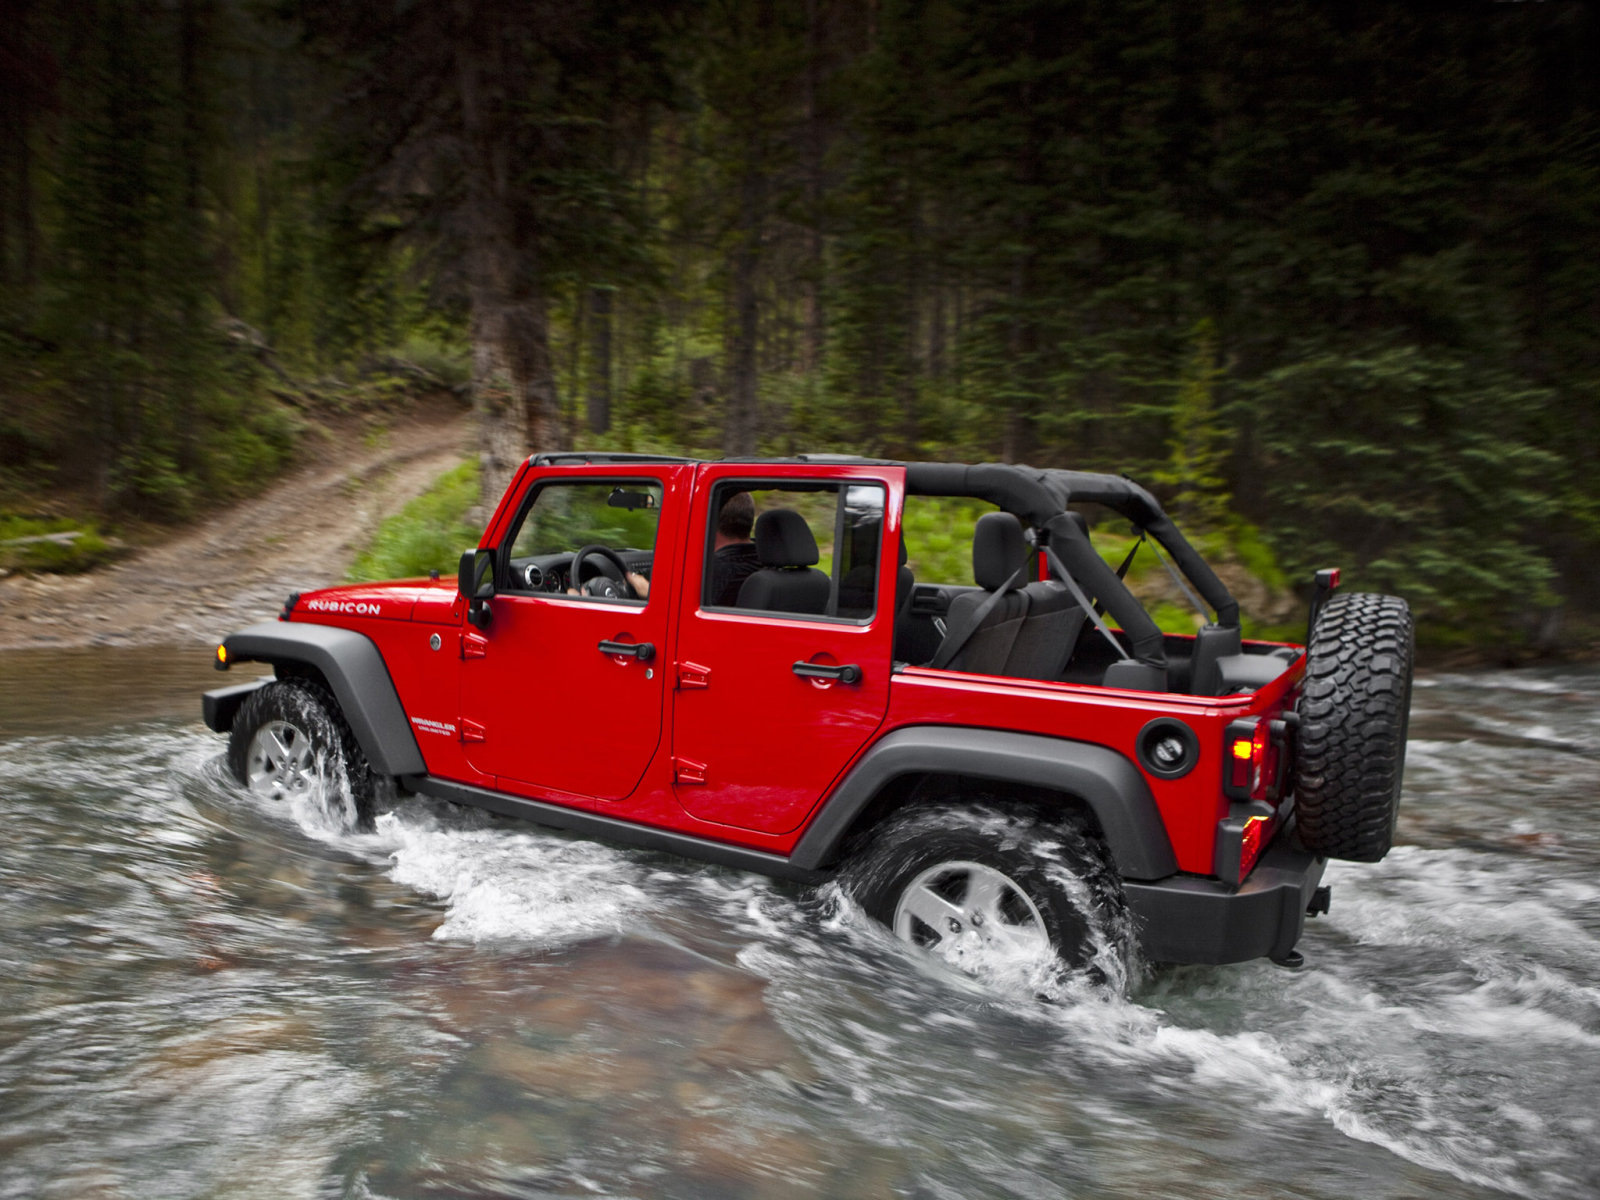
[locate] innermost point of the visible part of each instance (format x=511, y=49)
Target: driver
x=734, y=557
x=639, y=584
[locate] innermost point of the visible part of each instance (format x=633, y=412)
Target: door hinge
x=471, y=731
x=686, y=770
x=474, y=645
x=693, y=675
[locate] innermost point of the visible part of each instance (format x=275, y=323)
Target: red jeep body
x=716, y=743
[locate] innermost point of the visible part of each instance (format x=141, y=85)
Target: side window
x=614, y=521
x=795, y=547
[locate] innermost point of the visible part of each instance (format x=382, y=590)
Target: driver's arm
x=639, y=584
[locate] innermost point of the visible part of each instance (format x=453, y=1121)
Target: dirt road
x=238, y=567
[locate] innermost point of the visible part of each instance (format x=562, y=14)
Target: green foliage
x=938, y=535
x=428, y=534
x=1411, y=464
x=1198, y=448
x=447, y=361
x=57, y=545
x=1322, y=276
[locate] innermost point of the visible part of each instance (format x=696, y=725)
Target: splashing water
x=208, y=995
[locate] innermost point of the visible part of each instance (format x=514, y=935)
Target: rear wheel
x=1354, y=711
x=973, y=884
x=291, y=743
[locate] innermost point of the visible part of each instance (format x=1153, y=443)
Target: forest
x=1324, y=275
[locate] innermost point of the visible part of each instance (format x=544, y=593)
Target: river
x=203, y=997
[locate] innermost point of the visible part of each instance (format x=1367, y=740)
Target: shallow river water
x=201, y=997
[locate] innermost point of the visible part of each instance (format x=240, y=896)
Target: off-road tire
x=312, y=709
x=1062, y=870
x=1354, y=711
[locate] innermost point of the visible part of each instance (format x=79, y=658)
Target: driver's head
x=737, y=516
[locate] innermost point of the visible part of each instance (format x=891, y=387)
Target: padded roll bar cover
x=1106, y=781
x=1098, y=580
x=1139, y=506
x=1038, y=496
x=355, y=670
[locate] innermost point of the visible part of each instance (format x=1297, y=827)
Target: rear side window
x=793, y=547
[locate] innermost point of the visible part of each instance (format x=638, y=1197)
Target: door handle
x=643, y=651
x=844, y=673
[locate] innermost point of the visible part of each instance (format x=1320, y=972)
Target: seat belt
x=952, y=644
x=1060, y=569
x=1205, y=617
x=1122, y=571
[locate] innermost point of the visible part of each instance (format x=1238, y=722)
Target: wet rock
x=724, y=1161
x=237, y=1035
x=756, y=1045
x=570, y=1074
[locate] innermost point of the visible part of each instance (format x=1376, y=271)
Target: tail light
x=1240, y=841
x=1250, y=760
x=1255, y=769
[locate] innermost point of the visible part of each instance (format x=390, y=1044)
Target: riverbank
x=238, y=566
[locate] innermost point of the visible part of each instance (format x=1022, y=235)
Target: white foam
x=498, y=884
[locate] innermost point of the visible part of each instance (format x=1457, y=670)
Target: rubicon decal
x=357, y=608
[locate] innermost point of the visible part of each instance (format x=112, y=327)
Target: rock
x=237, y=1035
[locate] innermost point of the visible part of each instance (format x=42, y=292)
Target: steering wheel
x=612, y=582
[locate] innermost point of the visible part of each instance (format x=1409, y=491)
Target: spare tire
x=1354, y=710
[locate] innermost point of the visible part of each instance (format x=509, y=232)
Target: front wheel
x=977, y=886
x=291, y=743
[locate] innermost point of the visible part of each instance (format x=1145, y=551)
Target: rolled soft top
x=1040, y=498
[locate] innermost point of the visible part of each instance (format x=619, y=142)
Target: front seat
x=787, y=580
x=983, y=626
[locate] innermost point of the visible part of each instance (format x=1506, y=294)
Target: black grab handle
x=845, y=673
x=643, y=651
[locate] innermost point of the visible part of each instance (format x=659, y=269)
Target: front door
x=555, y=694
x=783, y=673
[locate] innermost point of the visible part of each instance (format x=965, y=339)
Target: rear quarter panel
x=1190, y=807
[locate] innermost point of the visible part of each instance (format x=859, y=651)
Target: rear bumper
x=1186, y=919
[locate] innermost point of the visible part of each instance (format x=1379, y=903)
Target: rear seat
x=1031, y=632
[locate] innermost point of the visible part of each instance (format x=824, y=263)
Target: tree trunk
x=599, y=360
x=811, y=347
x=741, y=418
x=513, y=380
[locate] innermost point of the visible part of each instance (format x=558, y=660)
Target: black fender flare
x=1107, y=782
x=354, y=669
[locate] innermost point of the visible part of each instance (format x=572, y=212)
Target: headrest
x=783, y=539
x=998, y=550
x=902, y=551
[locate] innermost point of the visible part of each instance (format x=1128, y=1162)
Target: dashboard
x=552, y=573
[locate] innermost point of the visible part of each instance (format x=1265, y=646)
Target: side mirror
x=475, y=579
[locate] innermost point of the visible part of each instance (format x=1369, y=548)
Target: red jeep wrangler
x=733, y=661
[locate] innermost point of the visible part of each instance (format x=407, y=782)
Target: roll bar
x=1040, y=498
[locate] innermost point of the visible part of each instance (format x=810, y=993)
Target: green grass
x=89, y=549
x=938, y=536
x=428, y=534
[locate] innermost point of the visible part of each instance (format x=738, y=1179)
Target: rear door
x=770, y=704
